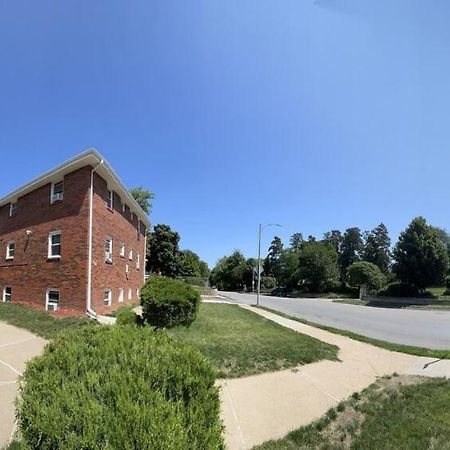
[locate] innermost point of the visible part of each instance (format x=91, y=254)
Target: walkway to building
x=263, y=407
x=17, y=346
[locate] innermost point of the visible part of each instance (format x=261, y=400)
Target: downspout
x=145, y=255
x=89, y=311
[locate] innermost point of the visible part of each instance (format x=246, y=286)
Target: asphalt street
x=429, y=329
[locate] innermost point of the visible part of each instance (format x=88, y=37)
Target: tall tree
x=420, y=256
x=163, y=251
x=377, y=248
x=351, y=247
x=288, y=265
x=192, y=266
x=317, y=266
x=143, y=197
x=296, y=241
x=445, y=238
x=334, y=237
x=232, y=273
x=271, y=262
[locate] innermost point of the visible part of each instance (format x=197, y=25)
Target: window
x=6, y=294
x=108, y=249
x=54, y=244
x=107, y=297
x=10, y=250
x=120, y=295
x=124, y=207
x=52, y=300
x=127, y=270
x=110, y=200
x=12, y=209
x=138, y=261
x=129, y=294
x=137, y=293
x=132, y=215
x=122, y=250
x=57, y=192
x=138, y=230
x=130, y=255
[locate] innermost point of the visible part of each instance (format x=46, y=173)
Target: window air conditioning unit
x=57, y=197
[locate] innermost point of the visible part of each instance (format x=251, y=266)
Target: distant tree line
x=346, y=259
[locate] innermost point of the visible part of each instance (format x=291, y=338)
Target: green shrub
x=119, y=388
x=126, y=316
x=167, y=302
x=447, y=282
x=196, y=281
x=400, y=290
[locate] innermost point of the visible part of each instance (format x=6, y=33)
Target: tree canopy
x=143, y=197
x=420, y=256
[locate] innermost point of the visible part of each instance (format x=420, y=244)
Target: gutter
x=89, y=311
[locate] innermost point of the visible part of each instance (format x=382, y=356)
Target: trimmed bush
x=364, y=273
x=126, y=316
x=167, y=302
x=119, y=388
x=400, y=290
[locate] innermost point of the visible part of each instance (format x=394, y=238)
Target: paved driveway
x=17, y=346
x=430, y=329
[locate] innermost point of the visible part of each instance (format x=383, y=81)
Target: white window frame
x=107, y=302
x=137, y=293
x=120, y=295
x=8, y=250
x=124, y=207
x=138, y=261
x=4, y=294
x=132, y=215
x=130, y=294
x=110, y=199
x=47, y=299
x=12, y=209
x=58, y=196
x=122, y=250
x=130, y=254
x=108, y=253
x=50, y=254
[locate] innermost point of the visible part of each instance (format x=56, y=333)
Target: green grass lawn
x=410, y=413
x=239, y=342
x=419, y=351
x=37, y=321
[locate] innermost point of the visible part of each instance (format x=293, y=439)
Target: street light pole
x=258, y=288
x=261, y=227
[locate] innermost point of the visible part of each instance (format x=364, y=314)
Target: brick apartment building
x=72, y=240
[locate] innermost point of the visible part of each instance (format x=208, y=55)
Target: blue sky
x=313, y=114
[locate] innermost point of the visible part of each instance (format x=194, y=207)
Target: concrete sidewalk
x=263, y=407
x=17, y=346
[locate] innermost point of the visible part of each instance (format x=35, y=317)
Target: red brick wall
x=31, y=273
x=122, y=228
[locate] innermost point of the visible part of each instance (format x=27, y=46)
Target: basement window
x=120, y=295
x=129, y=294
x=7, y=294
x=10, y=250
x=52, y=300
x=57, y=192
x=107, y=297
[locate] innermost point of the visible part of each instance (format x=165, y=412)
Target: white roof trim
x=89, y=157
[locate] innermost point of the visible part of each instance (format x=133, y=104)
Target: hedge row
x=119, y=388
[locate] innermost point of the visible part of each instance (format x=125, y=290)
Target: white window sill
x=54, y=257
